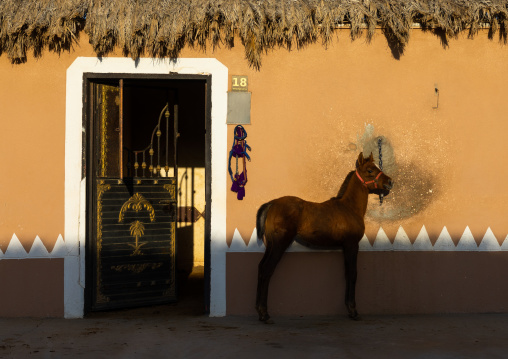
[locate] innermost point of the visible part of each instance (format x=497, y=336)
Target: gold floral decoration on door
x=137, y=202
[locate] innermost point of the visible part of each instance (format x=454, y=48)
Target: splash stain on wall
x=414, y=187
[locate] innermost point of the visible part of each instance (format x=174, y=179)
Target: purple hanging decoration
x=379, y=144
x=239, y=151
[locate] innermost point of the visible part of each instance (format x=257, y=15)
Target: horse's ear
x=371, y=158
x=360, y=160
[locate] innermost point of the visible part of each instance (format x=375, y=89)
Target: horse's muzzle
x=388, y=185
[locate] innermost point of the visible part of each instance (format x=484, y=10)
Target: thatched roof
x=161, y=28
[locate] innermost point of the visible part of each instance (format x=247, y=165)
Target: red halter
x=369, y=182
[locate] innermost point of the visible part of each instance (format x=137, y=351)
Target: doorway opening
x=148, y=169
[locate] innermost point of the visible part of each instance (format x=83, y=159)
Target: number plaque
x=239, y=83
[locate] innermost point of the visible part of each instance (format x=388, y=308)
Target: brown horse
x=336, y=223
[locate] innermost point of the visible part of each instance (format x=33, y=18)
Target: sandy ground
x=182, y=331
x=150, y=333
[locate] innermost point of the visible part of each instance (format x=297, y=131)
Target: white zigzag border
x=401, y=242
x=15, y=249
x=382, y=243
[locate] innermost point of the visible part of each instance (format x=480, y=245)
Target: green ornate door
x=134, y=203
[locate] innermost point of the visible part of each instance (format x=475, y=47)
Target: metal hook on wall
x=436, y=92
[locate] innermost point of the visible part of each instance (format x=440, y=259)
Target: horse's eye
x=370, y=171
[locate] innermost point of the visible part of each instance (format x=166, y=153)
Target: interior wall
x=191, y=174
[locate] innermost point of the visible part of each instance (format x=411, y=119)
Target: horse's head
x=371, y=176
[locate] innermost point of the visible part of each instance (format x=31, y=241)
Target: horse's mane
x=343, y=187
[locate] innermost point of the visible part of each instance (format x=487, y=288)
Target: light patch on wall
x=489, y=242
x=190, y=231
x=401, y=241
x=467, y=242
x=422, y=241
x=382, y=242
x=364, y=244
x=444, y=241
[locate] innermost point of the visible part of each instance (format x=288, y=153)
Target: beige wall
x=309, y=111
x=310, y=107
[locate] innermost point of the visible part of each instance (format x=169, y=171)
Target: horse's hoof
x=355, y=317
x=265, y=318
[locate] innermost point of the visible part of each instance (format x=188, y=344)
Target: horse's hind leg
x=350, y=261
x=266, y=268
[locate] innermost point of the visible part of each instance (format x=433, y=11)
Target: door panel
x=135, y=242
x=107, y=114
x=133, y=218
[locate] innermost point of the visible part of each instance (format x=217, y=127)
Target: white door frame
x=75, y=187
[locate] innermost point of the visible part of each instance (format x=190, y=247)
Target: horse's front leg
x=350, y=261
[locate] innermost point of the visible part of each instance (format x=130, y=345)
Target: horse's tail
x=261, y=219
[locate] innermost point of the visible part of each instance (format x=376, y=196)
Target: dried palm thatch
x=38, y=25
x=161, y=28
